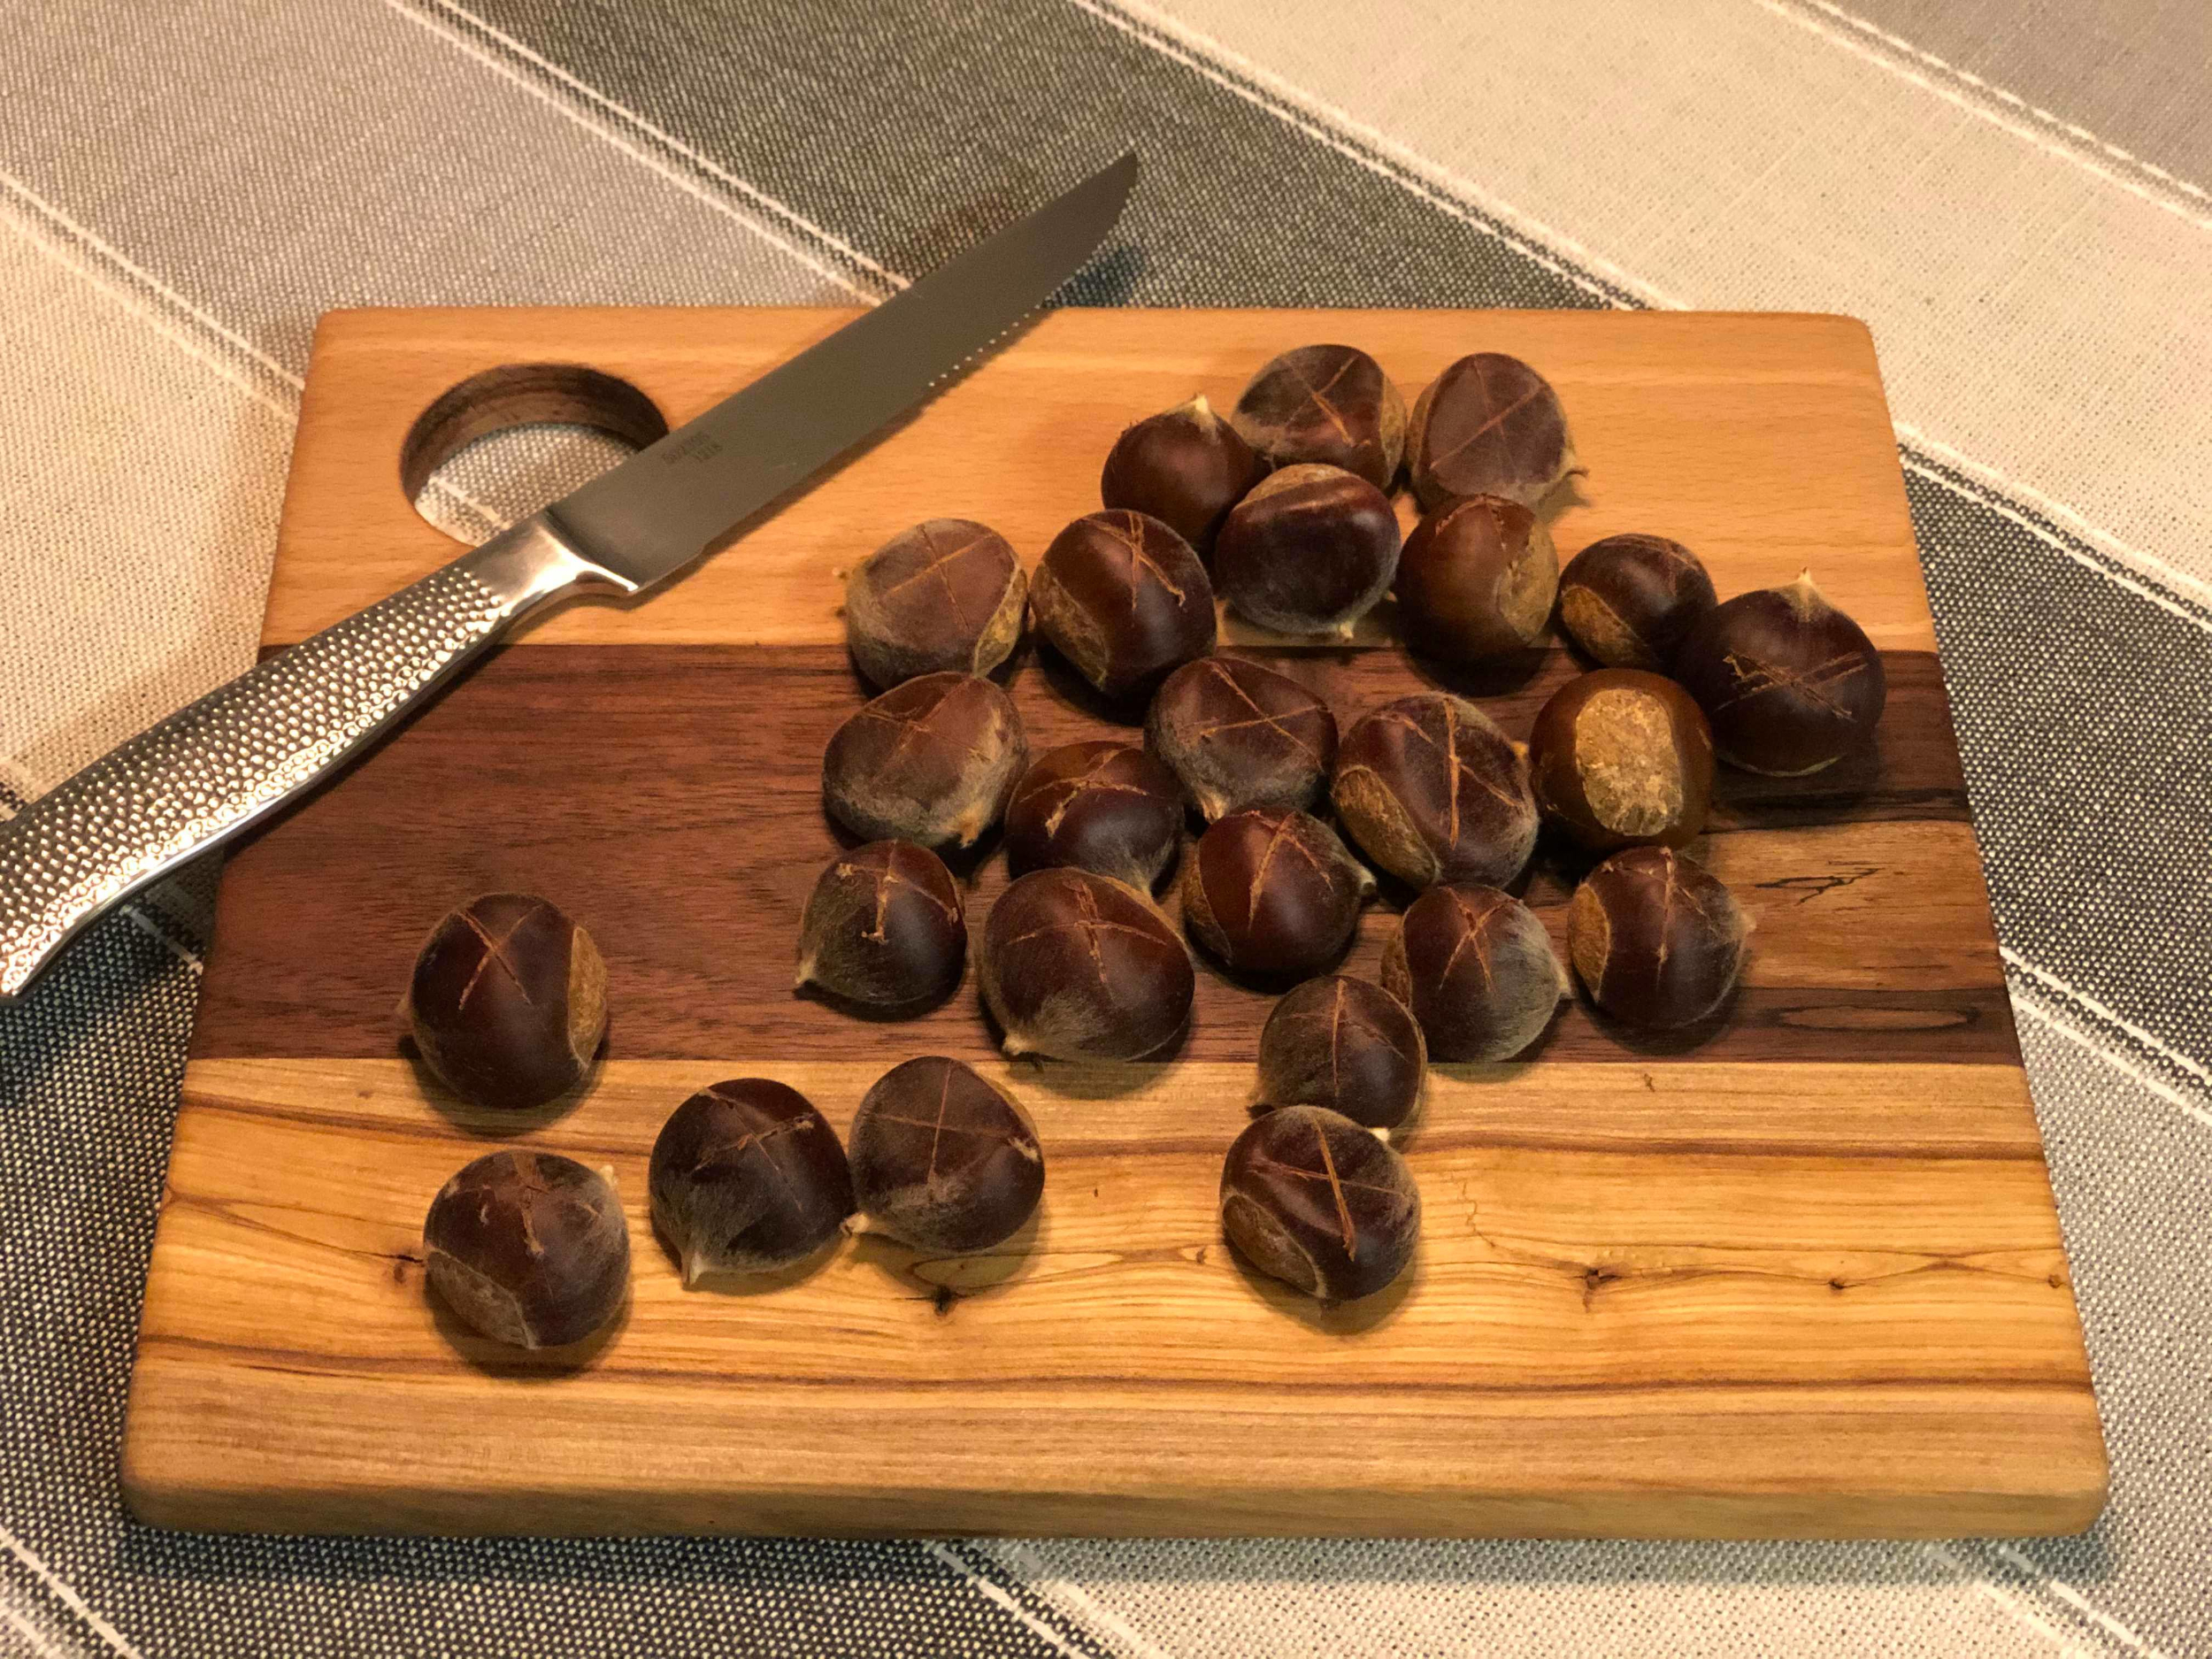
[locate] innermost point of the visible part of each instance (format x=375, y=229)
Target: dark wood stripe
x=669, y=798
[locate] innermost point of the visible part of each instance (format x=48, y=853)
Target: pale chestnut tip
x=1200, y=410
x=694, y=1269
x=1382, y=1135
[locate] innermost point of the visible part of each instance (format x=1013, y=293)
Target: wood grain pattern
x=1797, y=1275
x=637, y=787
x=1643, y=1304
x=1762, y=441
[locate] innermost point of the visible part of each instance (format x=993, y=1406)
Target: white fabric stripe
x=2058, y=1588
x=2134, y=1033
x=999, y=1597
x=65, y=1595
x=2012, y=1604
x=1965, y=77
x=2031, y=314
x=617, y=124
x=1068, y=1595
x=2026, y=1000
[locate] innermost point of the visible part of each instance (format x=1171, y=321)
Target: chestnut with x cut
x=747, y=1177
x=1488, y=426
x=1274, y=893
x=1309, y=1197
x=884, y=927
x=1125, y=600
x=945, y=596
x=1080, y=966
x=529, y=1248
x=1790, y=684
x=1241, y=735
x=508, y=1002
x=944, y=1160
x=1328, y=405
x=1477, y=969
x=1434, y=791
x=1347, y=1045
x=1101, y=805
x=932, y=761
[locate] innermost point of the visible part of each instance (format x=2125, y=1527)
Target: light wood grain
x=1762, y=441
x=1643, y=1304
x=1796, y=1273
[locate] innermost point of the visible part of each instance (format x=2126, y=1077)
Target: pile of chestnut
x=1281, y=509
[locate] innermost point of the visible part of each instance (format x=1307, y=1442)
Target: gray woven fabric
x=183, y=190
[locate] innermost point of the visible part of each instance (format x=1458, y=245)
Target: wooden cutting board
x=1802, y=1279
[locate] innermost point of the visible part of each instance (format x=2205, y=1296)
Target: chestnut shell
x=1312, y=550
x=943, y=1160
x=1274, y=893
x=1489, y=425
x=1620, y=758
x=748, y=1177
x=1630, y=601
x=1327, y=404
x=1309, y=1197
x=1125, y=600
x=1477, y=580
x=884, y=927
x=1477, y=970
x=528, y=1248
x=932, y=761
x=1080, y=966
x=1241, y=735
x=1790, y=684
x=1656, y=939
x=1432, y=791
x=1101, y=805
x=945, y=596
x=1347, y=1045
x=508, y=1002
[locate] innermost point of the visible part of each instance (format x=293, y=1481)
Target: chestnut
x=1432, y=791
x=1330, y=405
x=1347, y=1045
x=508, y=1002
x=1309, y=1197
x=1488, y=426
x=1273, y=893
x=1080, y=966
x=1477, y=969
x=1630, y=600
x=884, y=926
x=1657, y=940
x=1240, y=735
x=1620, y=758
x=1187, y=467
x=1790, y=683
x=529, y=1248
x=943, y=1160
x=1310, y=550
x=1101, y=805
x=746, y=1178
x=1476, y=579
x=1125, y=600
x=932, y=761
x=945, y=596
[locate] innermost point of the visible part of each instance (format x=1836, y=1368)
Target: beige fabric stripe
x=2034, y=312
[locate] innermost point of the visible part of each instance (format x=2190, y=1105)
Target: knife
x=247, y=749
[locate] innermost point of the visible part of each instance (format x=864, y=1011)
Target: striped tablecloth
x=2010, y=191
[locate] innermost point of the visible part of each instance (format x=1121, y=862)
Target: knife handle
x=213, y=769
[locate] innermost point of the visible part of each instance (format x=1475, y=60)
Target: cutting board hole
x=500, y=445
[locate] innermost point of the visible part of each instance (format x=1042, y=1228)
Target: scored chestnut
x=1476, y=579
x=945, y=596
x=1631, y=600
x=1477, y=969
x=1101, y=805
x=885, y=927
x=1656, y=938
x=1273, y=893
x=1347, y=1045
x=943, y=1160
x=1790, y=684
x=1432, y=791
x=1187, y=467
x=1329, y=404
x=1125, y=600
x=1620, y=759
x=1311, y=1198
x=1310, y=550
x=932, y=761
x=508, y=1002
x=748, y=1177
x=1488, y=426
x=1080, y=966
x=1241, y=735
x=529, y=1248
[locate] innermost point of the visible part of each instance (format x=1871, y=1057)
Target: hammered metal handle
x=211, y=769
